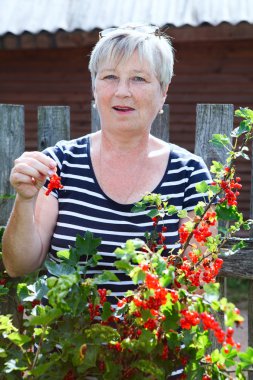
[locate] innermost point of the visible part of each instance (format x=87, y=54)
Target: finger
x=41, y=157
x=37, y=160
x=32, y=167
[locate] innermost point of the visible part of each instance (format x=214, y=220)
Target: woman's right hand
x=30, y=172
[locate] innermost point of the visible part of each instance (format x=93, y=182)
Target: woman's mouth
x=123, y=108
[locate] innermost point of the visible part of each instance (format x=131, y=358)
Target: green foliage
x=161, y=325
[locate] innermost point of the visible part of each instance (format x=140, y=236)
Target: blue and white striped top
x=84, y=206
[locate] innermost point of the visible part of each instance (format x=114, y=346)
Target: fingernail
x=51, y=172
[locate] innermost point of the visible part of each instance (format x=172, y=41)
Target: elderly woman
x=106, y=172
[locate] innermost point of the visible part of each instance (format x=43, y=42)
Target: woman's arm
x=28, y=232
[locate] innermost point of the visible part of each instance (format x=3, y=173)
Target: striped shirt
x=83, y=206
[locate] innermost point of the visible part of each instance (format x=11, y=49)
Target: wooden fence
x=54, y=125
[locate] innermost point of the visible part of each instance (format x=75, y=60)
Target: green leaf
x=51, y=282
x=244, y=113
x=170, y=210
x=220, y=140
x=87, y=245
x=149, y=368
x=68, y=255
x=36, y=291
x=106, y=276
x=216, y=167
x=98, y=334
x=215, y=355
x=202, y=187
x=236, y=247
x=139, y=206
x=153, y=213
x=22, y=291
x=18, y=339
x=106, y=312
x=3, y=290
x=45, y=316
x=244, y=127
x=6, y=324
x=182, y=214
x=59, y=269
x=247, y=356
x=123, y=265
x=167, y=276
x=225, y=212
x=199, y=208
x=137, y=275
x=3, y=353
x=41, y=369
x=128, y=251
x=203, y=342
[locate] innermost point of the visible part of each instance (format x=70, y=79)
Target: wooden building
x=48, y=65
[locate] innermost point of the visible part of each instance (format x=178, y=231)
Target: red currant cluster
x=207, y=273
x=201, y=232
x=54, y=183
x=103, y=296
x=230, y=187
x=190, y=318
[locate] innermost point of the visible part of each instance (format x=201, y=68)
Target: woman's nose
x=123, y=88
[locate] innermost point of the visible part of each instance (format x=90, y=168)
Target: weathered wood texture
x=212, y=119
x=53, y=125
x=12, y=143
x=160, y=126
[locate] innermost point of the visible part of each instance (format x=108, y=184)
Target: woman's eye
x=110, y=77
x=139, y=79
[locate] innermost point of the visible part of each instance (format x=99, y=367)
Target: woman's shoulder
x=78, y=143
x=177, y=152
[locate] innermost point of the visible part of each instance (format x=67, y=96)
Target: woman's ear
x=165, y=92
x=164, y=95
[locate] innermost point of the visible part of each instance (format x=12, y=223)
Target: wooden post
x=53, y=125
x=12, y=145
x=212, y=119
x=160, y=126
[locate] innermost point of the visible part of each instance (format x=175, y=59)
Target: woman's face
x=128, y=95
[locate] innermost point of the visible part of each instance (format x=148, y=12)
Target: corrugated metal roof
x=18, y=16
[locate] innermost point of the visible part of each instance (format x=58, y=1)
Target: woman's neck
x=124, y=144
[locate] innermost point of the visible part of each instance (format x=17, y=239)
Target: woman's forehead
x=135, y=61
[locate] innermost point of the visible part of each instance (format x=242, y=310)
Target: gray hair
x=120, y=43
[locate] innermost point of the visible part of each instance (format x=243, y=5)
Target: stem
x=39, y=347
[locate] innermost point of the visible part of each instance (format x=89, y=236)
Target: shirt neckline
x=124, y=205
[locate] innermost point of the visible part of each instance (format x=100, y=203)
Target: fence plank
x=160, y=126
x=53, y=125
x=12, y=137
x=212, y=119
